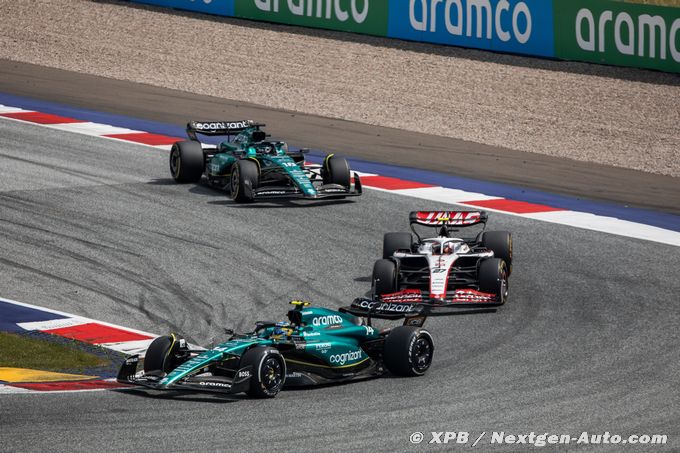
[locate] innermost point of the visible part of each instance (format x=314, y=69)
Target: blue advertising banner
x=217, y=7
x=517, y=26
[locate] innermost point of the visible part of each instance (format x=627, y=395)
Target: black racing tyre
x=268, y=371
x=186, y=161
x=384, y=277
x=501, y=244
x=244, y=172
x=493, y=278
x=160, y=354
x=408, y=351
x=336, y=171
x=396, y=241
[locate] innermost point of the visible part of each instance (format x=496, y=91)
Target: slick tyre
x=160, y=355
x=245, y=178
x=396, y=241
x=493, y=278
x=408, y=351
x=268, y=371
x=501, y=244
x=384, y=277
x=186, y=161
x=336, y=171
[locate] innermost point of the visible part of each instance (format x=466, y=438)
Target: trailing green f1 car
x=315, y=346
x=251, y=167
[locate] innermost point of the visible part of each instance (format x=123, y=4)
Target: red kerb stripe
x=146, y=138
x=97, y=333
x=514, y=206
x=41, y=118
x=72, y=385
x=385, y=182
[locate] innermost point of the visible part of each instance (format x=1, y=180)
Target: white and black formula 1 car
x=447, y=267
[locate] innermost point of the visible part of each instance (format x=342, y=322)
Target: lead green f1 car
x=251, y=167
x=315, y=346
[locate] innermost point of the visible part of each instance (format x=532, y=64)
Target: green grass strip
x=19, y=351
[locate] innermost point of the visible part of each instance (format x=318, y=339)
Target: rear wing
x=220, y=127
x=413, y=312
x=447, y=220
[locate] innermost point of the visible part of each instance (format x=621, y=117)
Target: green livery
x=251, y=167
x=314, y=346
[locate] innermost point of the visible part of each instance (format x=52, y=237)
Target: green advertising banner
x=360, y=16
x=618, y=33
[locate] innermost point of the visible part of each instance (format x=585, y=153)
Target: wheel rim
x=234, y=181
x=504, y=286
x=174, y=163
x=272, y=375
x=422, y=354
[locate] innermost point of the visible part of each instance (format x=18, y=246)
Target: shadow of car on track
x=204, y=189
x=268, y=204
x=183, y=396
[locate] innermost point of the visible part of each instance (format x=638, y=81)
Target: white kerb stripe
x=444, y=195
x=129, y=347
x=8, y=109
x=95, y=129
x=609, y=225
x=53, y=324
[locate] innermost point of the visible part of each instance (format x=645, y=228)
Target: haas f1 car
x=446, y=267
x=251, y=167
x=315, y=346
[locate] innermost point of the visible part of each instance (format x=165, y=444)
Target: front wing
x=324, y=191
x=213, y=384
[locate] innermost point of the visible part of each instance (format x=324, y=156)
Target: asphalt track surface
x=379, y=144
x=587, y=342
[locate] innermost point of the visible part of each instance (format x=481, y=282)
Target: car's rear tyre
x=186, y=161
x=408, y=351
x=501, y=244
x=396, y=241
x=244, y=173
x=384, y=277
x=268, y=373
x=336, y=171
x=493, y=278
x=160, y=356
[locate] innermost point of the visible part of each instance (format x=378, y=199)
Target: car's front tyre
x=162, y=354
x=408, y=351
x=336, y=171
x=493, y=278
x=245, y=178
x=268, y=371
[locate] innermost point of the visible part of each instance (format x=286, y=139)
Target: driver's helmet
x=447, y=248
x=282, y=329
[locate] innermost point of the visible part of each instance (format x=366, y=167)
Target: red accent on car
x=404, y=296
x=468, y=296
x=448, y=217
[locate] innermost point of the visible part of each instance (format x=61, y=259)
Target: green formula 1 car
x=251, y=167
x=315, y=346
